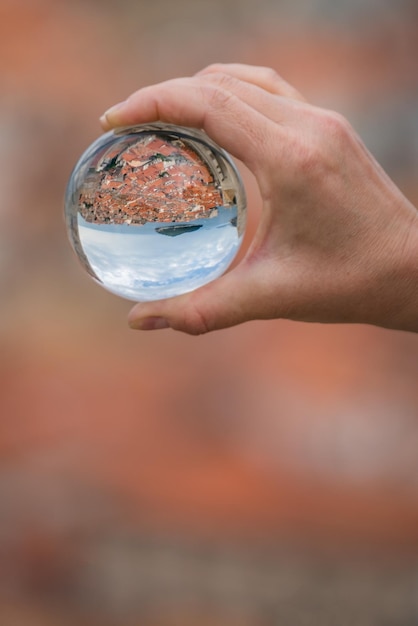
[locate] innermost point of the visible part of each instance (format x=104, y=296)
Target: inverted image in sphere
x=155, y=211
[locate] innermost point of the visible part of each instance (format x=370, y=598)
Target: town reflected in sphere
x=154, y=211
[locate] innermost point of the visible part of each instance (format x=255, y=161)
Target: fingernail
x=149, y=323
x=105, y=119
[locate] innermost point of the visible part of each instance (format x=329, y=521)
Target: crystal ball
x=154, y=211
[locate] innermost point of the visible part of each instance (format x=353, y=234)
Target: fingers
x=263, y=77
x=200, y=103
x=276, y=105
x=228, y=301
x=235, y=104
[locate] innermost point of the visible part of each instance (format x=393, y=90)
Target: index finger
x=226, y=118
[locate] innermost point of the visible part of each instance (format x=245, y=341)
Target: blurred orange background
x=262, y=475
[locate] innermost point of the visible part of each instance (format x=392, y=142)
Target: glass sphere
x=155, y=210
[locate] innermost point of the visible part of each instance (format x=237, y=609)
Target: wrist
x=402, y=310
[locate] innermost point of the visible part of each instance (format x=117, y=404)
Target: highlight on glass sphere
x=154, y=211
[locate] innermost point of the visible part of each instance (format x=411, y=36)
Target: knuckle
x=212, y=68
x=270, y=75
x=216, y=95
x=335, y=125
x=309, y=158
x=278, y=84
x=320, y=152
x=273, y=78
x=220, y=78
x=193, y=321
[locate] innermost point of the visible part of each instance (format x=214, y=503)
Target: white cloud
x=138, y=263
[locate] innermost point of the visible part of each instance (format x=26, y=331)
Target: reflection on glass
x=155, y=211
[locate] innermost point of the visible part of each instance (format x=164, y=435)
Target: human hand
x=336, y=241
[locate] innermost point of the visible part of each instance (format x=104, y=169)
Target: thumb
x=225, y=302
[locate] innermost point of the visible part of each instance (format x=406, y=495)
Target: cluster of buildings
x=152, y=180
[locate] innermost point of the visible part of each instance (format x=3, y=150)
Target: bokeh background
x=262, y=475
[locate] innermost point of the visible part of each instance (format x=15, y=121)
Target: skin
x=337, y=241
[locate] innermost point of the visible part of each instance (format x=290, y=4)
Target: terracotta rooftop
x=153, y=180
